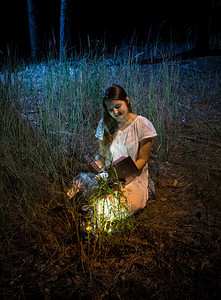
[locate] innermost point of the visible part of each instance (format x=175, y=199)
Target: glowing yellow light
x=89, y=228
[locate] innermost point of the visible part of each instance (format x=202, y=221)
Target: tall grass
x=49, y=114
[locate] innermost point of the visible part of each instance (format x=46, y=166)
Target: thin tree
x=33, y=28
x=65, y=21
x=202, y=43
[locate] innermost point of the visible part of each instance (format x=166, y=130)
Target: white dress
x=126, y=143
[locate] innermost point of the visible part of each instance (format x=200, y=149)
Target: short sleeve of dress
x=145, y=129
x=100, y=130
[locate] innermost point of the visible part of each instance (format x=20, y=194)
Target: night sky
x=117, y=19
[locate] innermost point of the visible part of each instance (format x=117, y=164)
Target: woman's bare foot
x=72, y=192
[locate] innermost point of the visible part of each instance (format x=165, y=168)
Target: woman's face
x=117, y=109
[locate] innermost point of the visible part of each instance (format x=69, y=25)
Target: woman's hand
x=99, y=163
x=103, y=175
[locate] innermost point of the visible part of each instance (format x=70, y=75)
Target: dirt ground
x=173, y=249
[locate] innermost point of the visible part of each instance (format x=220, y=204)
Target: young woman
x=123, y=133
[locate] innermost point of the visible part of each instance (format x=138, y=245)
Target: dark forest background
x=112, y=21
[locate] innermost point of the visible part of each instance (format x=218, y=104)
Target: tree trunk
x=202, y=43
x=65, y=21
x=33, y=29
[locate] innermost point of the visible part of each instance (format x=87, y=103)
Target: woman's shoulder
x=142, y=120
x=138, y=120
x=145, y=126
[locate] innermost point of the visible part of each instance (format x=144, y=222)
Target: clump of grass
x=27, y=163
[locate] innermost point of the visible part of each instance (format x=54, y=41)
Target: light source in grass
x=109, y=210
x=104, y=215
x=89, y=227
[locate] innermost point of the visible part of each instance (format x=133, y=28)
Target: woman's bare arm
x=143, y=153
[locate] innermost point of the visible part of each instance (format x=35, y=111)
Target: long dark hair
x=113, y=92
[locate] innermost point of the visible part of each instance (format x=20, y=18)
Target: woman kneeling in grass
x=123, y=133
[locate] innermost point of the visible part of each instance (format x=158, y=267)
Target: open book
x=124, y=166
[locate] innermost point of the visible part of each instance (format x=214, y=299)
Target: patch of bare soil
x=171, y=251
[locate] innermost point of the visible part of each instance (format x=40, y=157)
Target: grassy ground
x=49, y=113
